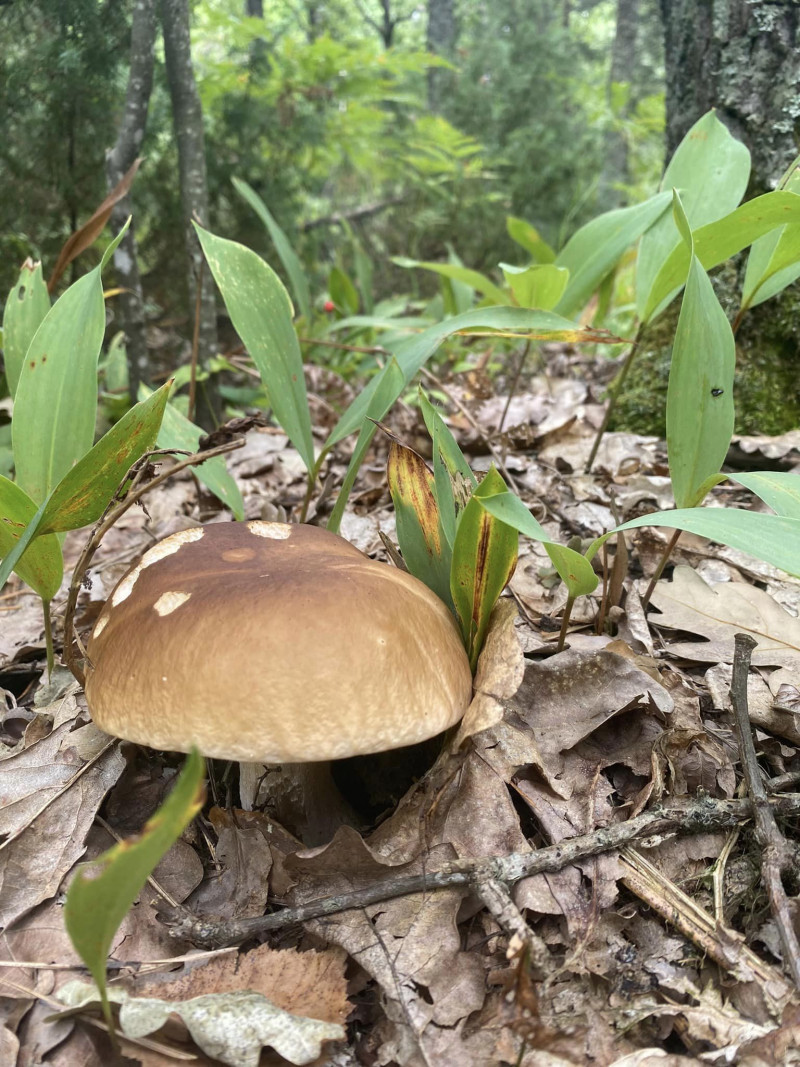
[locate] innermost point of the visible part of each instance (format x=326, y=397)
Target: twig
x=497, y=900
x=139, y=486
x=195, y=344
x=613, y=395
x=703, y=815
x=354, y=215
x=714, y=939
x=660, y=568
x=777, y=857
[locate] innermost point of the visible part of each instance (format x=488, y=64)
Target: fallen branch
x=703, y=815
x=777, y=856
x=356, y=214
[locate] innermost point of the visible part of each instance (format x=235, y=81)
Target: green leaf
x=710, y=169
x=388, y=385
x=774, y=260
x=453, y=478
x=261, y=313
x=343, y=293
x=772, y=538
x=413, y=352
x=56, y=400
x=700, y=406
x=528, y=237
x=41, y=564
x=286, y=254
x=720, y=240
x=419, y=528
x=539, y=286
x=574, y=569
x=597, y=247
x=473, y=278
x=778, y=489
x=484, y=557
x=103, y=891
x=26, y=306
x=84, y=492
x=179, y=433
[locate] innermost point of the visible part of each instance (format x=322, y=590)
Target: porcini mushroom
x=274, y=643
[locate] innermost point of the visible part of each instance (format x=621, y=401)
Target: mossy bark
x=767, y=383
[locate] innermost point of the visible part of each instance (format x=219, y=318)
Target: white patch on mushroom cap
x=100, y=625
x=168, y=602
x=160, y=551
x=278, y=531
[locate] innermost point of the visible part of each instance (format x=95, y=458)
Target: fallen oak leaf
x=231, y=1027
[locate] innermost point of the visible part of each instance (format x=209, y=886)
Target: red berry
x=329, y=306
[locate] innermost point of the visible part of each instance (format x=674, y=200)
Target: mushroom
x=278, y=644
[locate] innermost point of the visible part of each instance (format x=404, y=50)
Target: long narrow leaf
x=774, y=260
x=286, y=254
x=484, y=558
x=26, y=306
x=778, y=489
x=85, y=491
x=41, y=565
x=473, y=278
x=56, y=401
x=261, y=313
x=710, y=170
x=700, y=393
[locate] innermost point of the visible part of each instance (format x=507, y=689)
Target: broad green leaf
x=539, y=286
x=774, y=260
x=41, y=564
x=778, y=489
x=261, y=313
x=473, y=278
x=596, y=248
x=710, y=169
x=286, y=254
x=484, y=558
x=720, y=240
x=700, y=391
x=56, y=400
x=343, y=293
x=453, y=456
x=574, y=569
x=453, y=478
x=84, y=492
x=419, y=529
x=103, y=891
x=26, y=306
x=772, y=538
x=528, y=237
x=413, y=352
x=388, y=385
x=179, y=433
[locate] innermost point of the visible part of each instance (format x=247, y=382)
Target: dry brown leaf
x=240, y=886
x=719, y=612
x=501, y=667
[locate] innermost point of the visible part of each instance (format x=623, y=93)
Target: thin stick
x=703, y=815
x=660, y=568
x=562, y=636
x=777, y=857
x=613, y=395
x=136, y=475
x=48, y=638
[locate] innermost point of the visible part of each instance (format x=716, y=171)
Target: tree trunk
x=616, y=171
x=441, y=41
x=741, y=57
x=119, y=160
x=187, y=118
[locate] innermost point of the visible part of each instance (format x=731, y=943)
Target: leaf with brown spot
x=484, y=558
x=419, y=531
x=88, y=233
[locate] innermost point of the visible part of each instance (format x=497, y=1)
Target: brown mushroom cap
x=275, y=643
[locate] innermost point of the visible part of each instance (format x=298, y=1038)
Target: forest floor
x=652, y=942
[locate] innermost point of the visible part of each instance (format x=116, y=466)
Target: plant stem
x=48, y=638
x=195, y=344
x=660, y=568
x=313, y=474
x=565, y=623
x=613, y=395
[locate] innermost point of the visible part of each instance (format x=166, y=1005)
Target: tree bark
x=441, y=41
x=119, y=160
x=743, y=58
x=187, y=117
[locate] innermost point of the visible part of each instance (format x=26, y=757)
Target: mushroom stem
x=303, y=798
